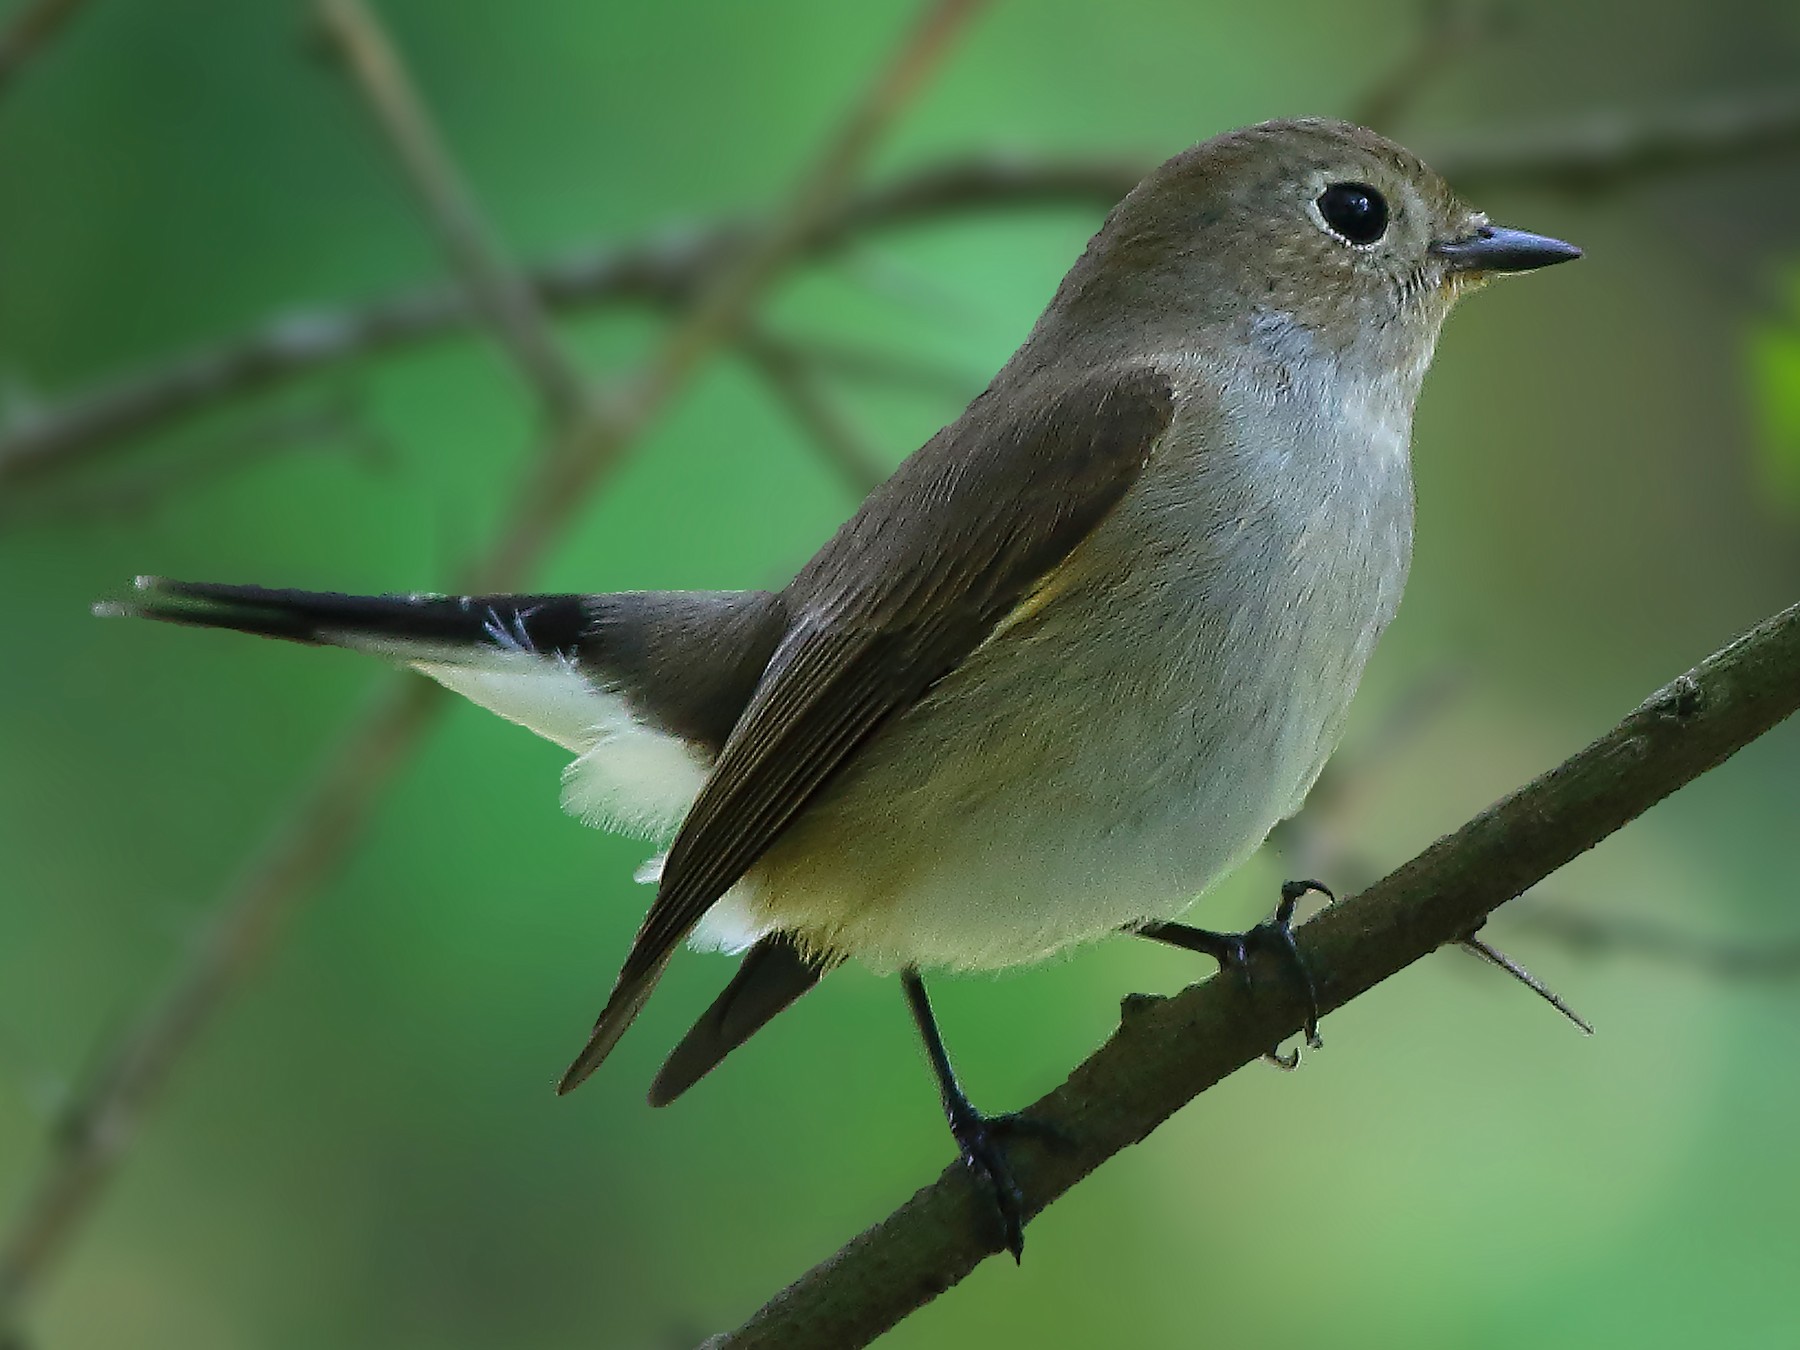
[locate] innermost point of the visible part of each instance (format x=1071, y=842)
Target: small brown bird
x=1066, y=668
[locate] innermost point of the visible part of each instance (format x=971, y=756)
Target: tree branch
x=506, y=301
x=333, y=422
x=723, y=304
x=790, y=379
x=31, y=27
x=1452, y=28
x=1169, y=1050
x=1593, y=934
x=324, y=823
x=1613, y=150
x=667, y=269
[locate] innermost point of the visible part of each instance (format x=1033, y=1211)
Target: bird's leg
x=979, y=1137
x=1232, y=952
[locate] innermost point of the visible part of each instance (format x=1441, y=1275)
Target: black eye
x=1355, y=211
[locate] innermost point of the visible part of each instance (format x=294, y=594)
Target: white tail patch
x=632, y=778
x=627, y=775
x=544, y=694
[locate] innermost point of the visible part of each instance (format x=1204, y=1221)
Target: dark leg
x=978, y=1136
x=1232, y=950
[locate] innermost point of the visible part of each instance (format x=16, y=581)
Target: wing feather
x=937, y=557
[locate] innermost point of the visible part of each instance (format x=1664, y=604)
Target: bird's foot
x=1233, y=952
x=1279, y=932
x=983, y=1141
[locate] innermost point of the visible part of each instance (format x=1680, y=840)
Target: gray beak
x=1494, y=248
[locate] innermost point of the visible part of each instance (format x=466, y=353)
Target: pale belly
x=1096, y=765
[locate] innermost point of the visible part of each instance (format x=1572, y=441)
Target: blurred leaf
x=1775, y=377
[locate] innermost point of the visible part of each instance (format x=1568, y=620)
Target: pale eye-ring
x=1355, y=212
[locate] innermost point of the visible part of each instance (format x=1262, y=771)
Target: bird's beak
x=1494, y=248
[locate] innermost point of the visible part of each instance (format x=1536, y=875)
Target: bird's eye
x=1354, y=211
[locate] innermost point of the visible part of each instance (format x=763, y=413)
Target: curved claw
x=1281, y=929
x=1281, y=932
x=981, y=1139
x=1232, y=952
x=978, y=1137
x=1292, y=892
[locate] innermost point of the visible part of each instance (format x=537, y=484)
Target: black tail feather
x=537, y=623
x=687, y=660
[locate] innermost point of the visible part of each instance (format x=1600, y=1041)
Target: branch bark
x=1168, y=1051
x=669, y=268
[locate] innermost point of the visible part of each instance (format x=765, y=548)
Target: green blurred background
x=364, y=1150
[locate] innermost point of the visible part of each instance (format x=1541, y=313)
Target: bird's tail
x=518, y=655
x=684, y=662
x=644, y=687
x=413, y=628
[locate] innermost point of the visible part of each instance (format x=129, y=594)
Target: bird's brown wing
x=916, y=580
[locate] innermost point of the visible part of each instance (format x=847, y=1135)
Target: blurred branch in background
x=669, y=269
x=500, y=296
x=1590, y=934
x=28, y=32
x=795, y=384
x=333, y=424
x=1453, y=28
x=589, y=439
x=1320, y=841
x=1169, y=1050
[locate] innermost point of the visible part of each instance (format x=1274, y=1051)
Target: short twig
x=1314, y=841
x=1500, y=960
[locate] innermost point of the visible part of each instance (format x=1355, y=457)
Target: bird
x=1057, y=675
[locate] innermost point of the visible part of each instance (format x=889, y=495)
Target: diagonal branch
x=855, y=462
x=505, y=300
x=1452, y=28
x=550, y=497
x=327, y=818
x=668, y=268
x=1168, y=1051
x=28, y=31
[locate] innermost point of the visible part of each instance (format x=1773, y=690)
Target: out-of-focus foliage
x=1775, y=368
x=365, y=1151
